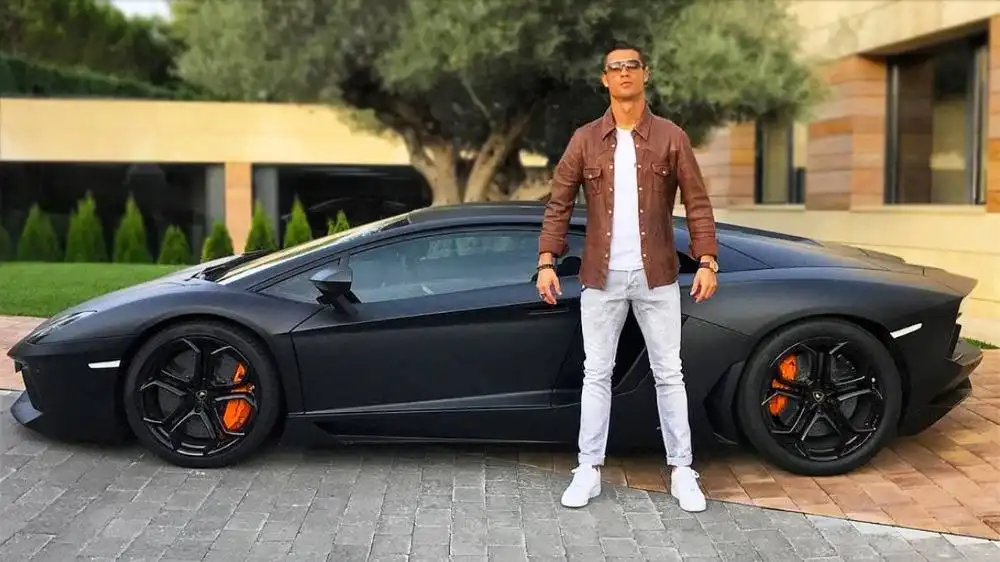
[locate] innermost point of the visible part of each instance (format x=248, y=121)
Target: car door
x=448, y=321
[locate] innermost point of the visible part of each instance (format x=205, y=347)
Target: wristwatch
x=709, y=263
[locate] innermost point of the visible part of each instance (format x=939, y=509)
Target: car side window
x=444, y=263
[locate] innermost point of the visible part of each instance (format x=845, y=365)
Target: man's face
x=624, y=74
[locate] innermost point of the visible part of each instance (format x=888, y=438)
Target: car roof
x=533, y=211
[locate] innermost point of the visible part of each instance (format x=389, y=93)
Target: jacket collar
x=641, y=127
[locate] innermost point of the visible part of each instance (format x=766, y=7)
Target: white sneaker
x=684, y=486
x=586, y=484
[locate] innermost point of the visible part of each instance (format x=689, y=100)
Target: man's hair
x=621, y=46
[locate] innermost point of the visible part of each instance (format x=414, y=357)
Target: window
x=936, y=124
x=432, y=265
x=445, y=263
x=779, y=173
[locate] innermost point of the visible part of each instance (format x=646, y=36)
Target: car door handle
x=543, y=309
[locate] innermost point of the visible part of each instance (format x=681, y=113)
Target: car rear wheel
x=202, y=395
x=821, y=397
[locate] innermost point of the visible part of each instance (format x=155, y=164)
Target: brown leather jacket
x=665, y=161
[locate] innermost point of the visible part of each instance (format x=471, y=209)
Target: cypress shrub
x=38, y=241
x=340, y=225
x=130, y=237
x=6, y=245
x=262, y=235
x=85, y=236
x=298, y=230
x=174, y=248
x=218, y=244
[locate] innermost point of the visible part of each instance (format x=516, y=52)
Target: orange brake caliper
x=237, y=411
x=787, y=370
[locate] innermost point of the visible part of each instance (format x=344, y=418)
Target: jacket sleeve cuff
x=701, y=248
x=546, y=244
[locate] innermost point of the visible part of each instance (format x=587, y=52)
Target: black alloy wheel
x=820, y=398
x=201, y=395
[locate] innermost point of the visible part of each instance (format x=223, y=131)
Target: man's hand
x=704, y=285
x=548, y=284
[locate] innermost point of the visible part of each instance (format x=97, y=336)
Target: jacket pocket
x=661, y=176
x=592, y=180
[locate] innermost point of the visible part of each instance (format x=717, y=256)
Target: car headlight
x=53, y=324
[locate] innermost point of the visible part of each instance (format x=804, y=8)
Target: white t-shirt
x=626, y=247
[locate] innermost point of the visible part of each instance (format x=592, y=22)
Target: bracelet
x=545, y=266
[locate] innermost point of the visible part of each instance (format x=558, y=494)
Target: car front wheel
x=202, y=395
x=820, y=397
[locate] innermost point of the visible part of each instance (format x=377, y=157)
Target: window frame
x=347, y=255
x=977, y=107
x=795, y=185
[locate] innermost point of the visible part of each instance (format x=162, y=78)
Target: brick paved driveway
x=64, y=502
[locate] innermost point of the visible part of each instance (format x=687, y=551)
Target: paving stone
x=63, y=502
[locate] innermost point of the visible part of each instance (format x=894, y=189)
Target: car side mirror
x=335, y=288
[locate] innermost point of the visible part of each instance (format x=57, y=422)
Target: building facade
x=902, y=156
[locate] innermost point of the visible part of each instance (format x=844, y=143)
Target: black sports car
x=427, y=327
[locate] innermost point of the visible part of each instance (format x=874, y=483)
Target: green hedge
x=21, y=77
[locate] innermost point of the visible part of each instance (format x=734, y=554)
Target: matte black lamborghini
x=427, y=327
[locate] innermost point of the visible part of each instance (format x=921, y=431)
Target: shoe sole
x=594, y=492
x=689, y=510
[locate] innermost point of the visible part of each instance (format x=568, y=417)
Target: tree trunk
x=436, y=162
x=493, y=154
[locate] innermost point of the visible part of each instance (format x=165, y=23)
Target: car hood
x=177, y=280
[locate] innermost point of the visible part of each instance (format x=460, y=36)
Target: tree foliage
x=467, y=84
x=90, y=34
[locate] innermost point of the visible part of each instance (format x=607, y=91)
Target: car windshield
x=276, y=258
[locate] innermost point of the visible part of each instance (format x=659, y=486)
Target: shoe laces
x=579, y=472
x=688, y=478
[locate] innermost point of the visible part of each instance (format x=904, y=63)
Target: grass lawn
x=981, y=344
x=44, y=289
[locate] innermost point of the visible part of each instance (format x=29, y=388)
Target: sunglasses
x=628, y=64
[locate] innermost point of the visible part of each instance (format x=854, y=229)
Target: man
x=631, y=164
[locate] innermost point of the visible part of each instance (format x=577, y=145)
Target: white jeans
x=603, y=314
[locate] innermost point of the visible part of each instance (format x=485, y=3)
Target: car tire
x=757, y=377
x=265, y=379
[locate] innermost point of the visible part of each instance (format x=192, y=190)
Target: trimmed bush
x=174, y=247
x=262, y=235
x=6, y=245
x=298, y=230
x=38, y=241
x=22, y=77
x=130, y=237
x=340, y=225
x=218, y=244
x=85, y=236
